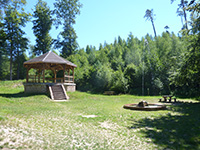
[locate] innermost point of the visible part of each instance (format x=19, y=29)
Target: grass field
x=91, y=121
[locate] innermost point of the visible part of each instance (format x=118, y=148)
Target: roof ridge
x=46, y=56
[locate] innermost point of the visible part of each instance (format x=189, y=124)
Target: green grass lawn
x=91, y=121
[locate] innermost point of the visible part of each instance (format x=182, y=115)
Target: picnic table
x=165, y=97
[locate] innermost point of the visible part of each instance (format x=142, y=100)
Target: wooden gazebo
x=37, y=82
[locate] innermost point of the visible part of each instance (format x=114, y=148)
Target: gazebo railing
x=37, y=79
x=69, y=79
x=33, y=78
x=54, y=80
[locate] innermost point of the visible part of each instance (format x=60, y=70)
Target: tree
x=22, y=45
x=3, y=4
x=188, y=77
x=119, y=82
x=181, y=11
x=166, y=28
x=66, y=11
x=2, y=48
x=103, y=77
x=149, y=15
x=3, y=53
x=130, y=75
x=42, y=26
x=14, y=19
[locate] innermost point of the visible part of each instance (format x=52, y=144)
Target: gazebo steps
x=57, y=92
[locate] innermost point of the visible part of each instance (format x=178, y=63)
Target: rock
x=142, y=104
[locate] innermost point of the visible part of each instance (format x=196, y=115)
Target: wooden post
x=27, y=75
x=69, y=72
x=38, y=75
x=73, y=74
x=64, y=68
x=43, y=73
x=55, y=75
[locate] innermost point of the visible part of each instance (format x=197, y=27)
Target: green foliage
x=188, y=77
x=181, y=11
x=164, y=64
x=122, y=66
x=15, y=18
x=66, y=12
x=119, y=82
x=133, y=78
x=42, y=26
x=103, y=77
x=3, y=52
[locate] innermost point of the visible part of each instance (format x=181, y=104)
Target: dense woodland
x=152, y=65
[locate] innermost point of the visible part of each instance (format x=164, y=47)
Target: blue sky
x=102, y=21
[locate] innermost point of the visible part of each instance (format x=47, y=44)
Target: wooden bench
x=109, y=93
x=167, y=96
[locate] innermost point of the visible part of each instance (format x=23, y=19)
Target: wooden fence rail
x=37, y=79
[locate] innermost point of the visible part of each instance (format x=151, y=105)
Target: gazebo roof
x=49, y=57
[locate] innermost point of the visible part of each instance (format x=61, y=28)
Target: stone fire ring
x=150, y=107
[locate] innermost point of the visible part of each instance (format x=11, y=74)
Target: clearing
x=92, y=121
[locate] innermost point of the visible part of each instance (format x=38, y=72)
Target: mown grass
x=92, y=121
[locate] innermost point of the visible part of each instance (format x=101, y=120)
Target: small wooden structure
x=167, y=96
x=38, y=82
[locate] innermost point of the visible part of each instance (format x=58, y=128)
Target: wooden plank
x=58, y=92
x=68, y=76
x=51, y=93
x=67, y=97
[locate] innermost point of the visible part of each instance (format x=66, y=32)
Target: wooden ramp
x=57, y=92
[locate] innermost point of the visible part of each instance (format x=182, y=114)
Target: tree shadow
x=18, y=95
x=180, y=131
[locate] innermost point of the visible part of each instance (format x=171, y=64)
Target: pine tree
x=149, y=15
x=66, y=11
x=2, y=48
x=22, y=45
x=14, y=19
x=42, y=26
x=181, y=11
x=188, y=78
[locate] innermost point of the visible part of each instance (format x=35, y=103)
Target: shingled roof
x=49, y=57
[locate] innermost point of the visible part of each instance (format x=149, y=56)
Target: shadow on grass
x=180, y=131
x=18, y=95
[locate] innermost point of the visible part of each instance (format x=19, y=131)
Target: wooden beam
x=39, y=71
x=27, y=74
x=68, y=72
x=43, y=73
x=64, y=68
x=73, y=74
x=55, y=75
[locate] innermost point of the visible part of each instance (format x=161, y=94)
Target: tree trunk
x=11, y=63
x=18, y=65
x=184, y=13
x=11, y=50
x=153, y=28
x=18, y=62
